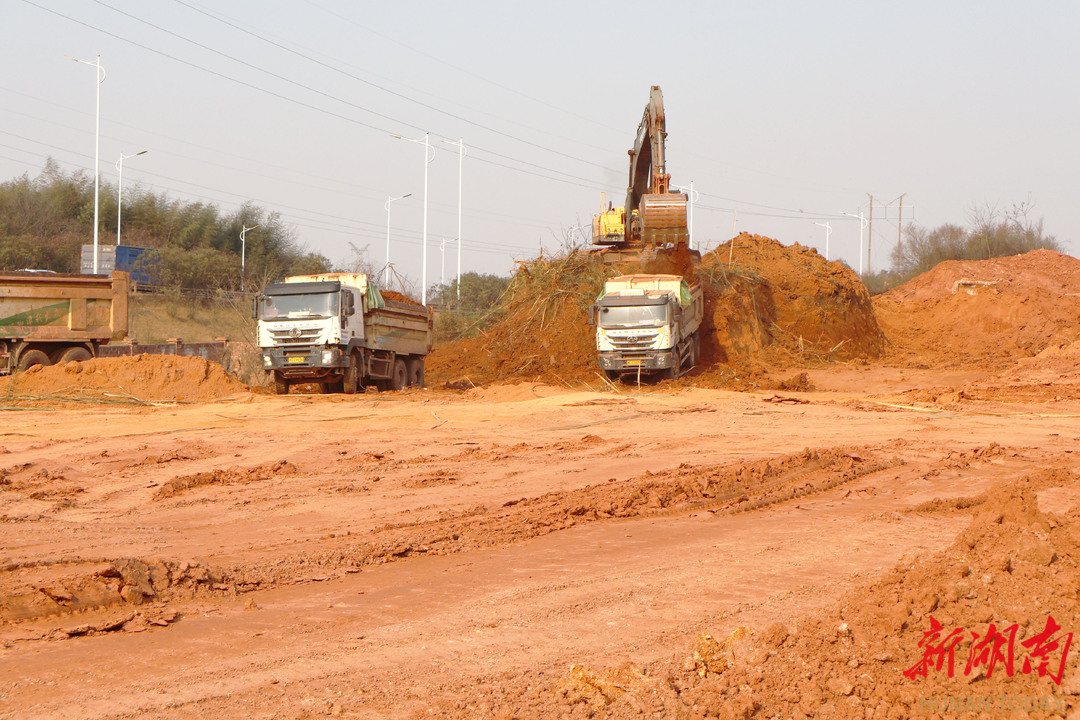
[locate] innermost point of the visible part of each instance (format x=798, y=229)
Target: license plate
x=297, y=360
x=633, y=363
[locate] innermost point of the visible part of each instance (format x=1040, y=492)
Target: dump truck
x=48, y=318
x=336, y=330
x=648, y=324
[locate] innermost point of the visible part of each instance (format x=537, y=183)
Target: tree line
x=45, y=220
x=991, y=231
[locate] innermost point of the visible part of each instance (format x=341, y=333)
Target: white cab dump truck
x=48, y=318
x=648, y=324
x=336, y=330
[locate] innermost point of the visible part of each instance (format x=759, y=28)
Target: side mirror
x=255, y=307
x=348, y=303
x=592, y=315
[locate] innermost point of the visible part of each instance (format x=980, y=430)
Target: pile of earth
x=987, y=312
x=150, y=378
x=397, y=297
x=979, y=630
x=540, y=328
x=786, y=305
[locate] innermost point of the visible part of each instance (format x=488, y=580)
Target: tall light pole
x=429, y=155
x=243, y=252
x=120, y=189
x=386, y=270
x=694, y=195
x=461, y=160
x=97, y=145
x=862, y=226
x=828, y=232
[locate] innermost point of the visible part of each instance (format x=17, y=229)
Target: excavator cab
x=609, y=226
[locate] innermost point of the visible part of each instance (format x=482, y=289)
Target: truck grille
x=640, y=341
x=295, y=336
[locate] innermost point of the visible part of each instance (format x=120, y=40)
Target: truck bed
x=53, y=306
x=400, y=327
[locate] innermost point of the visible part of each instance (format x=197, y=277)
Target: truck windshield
x=633, y=316
x=289, y=307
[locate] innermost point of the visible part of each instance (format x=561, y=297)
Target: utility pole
x=900, y=222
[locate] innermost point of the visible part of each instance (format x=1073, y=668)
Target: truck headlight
x=327, y=356
x=267, y=361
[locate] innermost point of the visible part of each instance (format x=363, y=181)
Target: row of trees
x=990, y=232
x=45, y=220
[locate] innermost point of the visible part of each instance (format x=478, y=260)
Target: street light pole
x=243, y=252
x=862, y=226
x=120, y=189
x=97, y=146
x=828, y=232
x=461, y=159
x=442, y=261
x=429, y=155
x=386, y=270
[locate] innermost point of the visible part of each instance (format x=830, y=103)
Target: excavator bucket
x=663, y=220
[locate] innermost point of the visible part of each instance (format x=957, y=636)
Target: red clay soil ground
x=901, y=542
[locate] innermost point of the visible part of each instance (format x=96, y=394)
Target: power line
x=365, y=81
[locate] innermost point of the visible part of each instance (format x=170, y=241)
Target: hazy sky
x=788, y=113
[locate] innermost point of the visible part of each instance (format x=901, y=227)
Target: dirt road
x=437, y=554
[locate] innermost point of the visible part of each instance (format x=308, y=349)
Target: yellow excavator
x=653, y=218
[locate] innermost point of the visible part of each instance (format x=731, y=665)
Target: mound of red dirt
x=986, y=311
x=153, y=378
x=785, y=302
x=397, y=297
x=541, y=328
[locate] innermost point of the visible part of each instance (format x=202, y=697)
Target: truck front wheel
x=401, y=376
x=281, y=385
x=350, y=376
x=30, y=358
x=676, y=365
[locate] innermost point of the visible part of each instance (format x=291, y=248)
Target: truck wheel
x=281, y=385
x=350, y=377
x=30, y=358
x=401, y=376
x=672, y=372
x=416, y=372
x=74, y=354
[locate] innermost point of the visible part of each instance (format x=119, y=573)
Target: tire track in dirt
x=77, y=584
